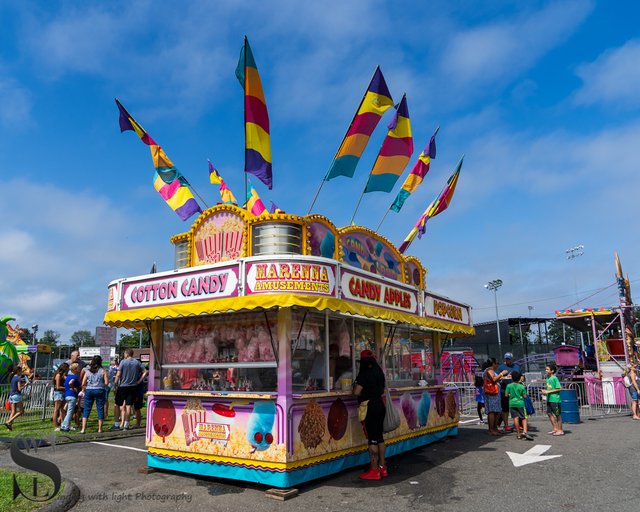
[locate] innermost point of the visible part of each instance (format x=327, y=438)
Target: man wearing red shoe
x=369, y=388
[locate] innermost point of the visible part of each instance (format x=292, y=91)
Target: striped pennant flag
x=215, y=179
x=375, y=102
x=257, y=154
x=168, y=181
x=254, y=204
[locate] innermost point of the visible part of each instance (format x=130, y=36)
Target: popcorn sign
x=219, y=432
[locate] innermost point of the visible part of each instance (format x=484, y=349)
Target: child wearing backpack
x=516, y=393
x=479, y=383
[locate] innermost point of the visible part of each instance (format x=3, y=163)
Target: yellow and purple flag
x=395, y=152
x=375, y=102
x=215, y=179
x=417, y=174
x=440, y=204
x=254, y=204
x=168, y=181
x=257, y=153
x=274, y=208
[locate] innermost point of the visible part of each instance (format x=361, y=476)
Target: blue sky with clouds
x=541, y=97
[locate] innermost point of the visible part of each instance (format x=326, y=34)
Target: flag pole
x=343, y=139
x=195, y=191
x=244, y=103
x=385, y=216
x=358, y=205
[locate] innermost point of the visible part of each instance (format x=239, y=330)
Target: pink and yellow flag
x=257, y=155
x=376, y=101
x=168, y=181
x=254, y=204
x=395, y=152
x=440, y=204
x=215, y=179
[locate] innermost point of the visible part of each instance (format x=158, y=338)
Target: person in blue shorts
x=15, y=397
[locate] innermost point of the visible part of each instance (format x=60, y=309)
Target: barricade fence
x=596, y=397
x=37, y=398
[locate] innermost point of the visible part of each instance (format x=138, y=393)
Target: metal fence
x=596, y=398
x=37, y=398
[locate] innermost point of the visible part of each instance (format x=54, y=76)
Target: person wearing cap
x=505, y=369
x=369, y=386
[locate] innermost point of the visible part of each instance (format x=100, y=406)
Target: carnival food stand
x=255, y=338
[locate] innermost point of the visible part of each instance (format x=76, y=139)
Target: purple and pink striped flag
x=254, y=204
x=215, y=179
x=168, y=181
x=375, y=102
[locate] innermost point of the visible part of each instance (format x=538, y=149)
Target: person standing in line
x=506, y=369
x=369, y=386
x=554, y=402
x=491, y=385
x=516, y=393
x=94, y=383
x=113, y=369
x=72, y=386
x=631, y=383
x=15, y=397
x=479, y=397
x=130, y=374
x=58, y=395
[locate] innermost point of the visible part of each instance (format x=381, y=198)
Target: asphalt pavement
x=597, y=470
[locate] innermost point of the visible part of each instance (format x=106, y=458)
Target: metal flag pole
x=343, y=139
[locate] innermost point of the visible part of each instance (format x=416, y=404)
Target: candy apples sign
x=215, y=283
x=369, y=290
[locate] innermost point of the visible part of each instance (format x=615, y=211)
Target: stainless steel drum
x=276, y=238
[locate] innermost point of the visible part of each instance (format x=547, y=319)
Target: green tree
x=557, y=335
x=50, y=337
x=131, y=339
x=83, y=339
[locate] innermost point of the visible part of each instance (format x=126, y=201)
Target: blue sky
x=541, y=97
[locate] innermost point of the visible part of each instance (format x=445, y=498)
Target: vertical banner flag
x=168, y=181
x=417, y=174
x=254, y=204
x=215, y=179
x=440, y=204
x=375, y=102
x=257, y=154
x=395, y=152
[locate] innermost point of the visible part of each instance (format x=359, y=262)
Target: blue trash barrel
x=570, y=410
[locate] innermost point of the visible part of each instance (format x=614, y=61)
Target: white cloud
x=16, y=104
x=613, y=78
x=500, y=51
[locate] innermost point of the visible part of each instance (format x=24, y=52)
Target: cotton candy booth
x=256, y=336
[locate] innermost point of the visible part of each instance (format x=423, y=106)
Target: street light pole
x=572, y=254
x=493, y=286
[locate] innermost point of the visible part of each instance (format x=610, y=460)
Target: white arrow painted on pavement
x=532, y=455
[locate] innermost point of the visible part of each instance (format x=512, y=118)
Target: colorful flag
x=375, y=102
x=257, y=154
x=274, y=208
x=170, y=184
x=254, y=204
x=440, y=204
x=417, y=174
x=395, y=152
x=215, y=179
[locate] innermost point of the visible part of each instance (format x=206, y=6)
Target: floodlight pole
x=493, y=286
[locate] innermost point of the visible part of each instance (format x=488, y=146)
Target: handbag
x=362, y=410
x=528, y=405
x=392, y=417
x=490, y=387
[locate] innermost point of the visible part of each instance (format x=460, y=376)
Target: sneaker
x=56, y=429
x=371, y=474
x=124, y=429
x=560, y=433
x=527, y=436
x=521, y=436
x=114, y=427
x=64, y=429
x=508, y=429
x=383, y=471
x=8, y=425
x=71, y=428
